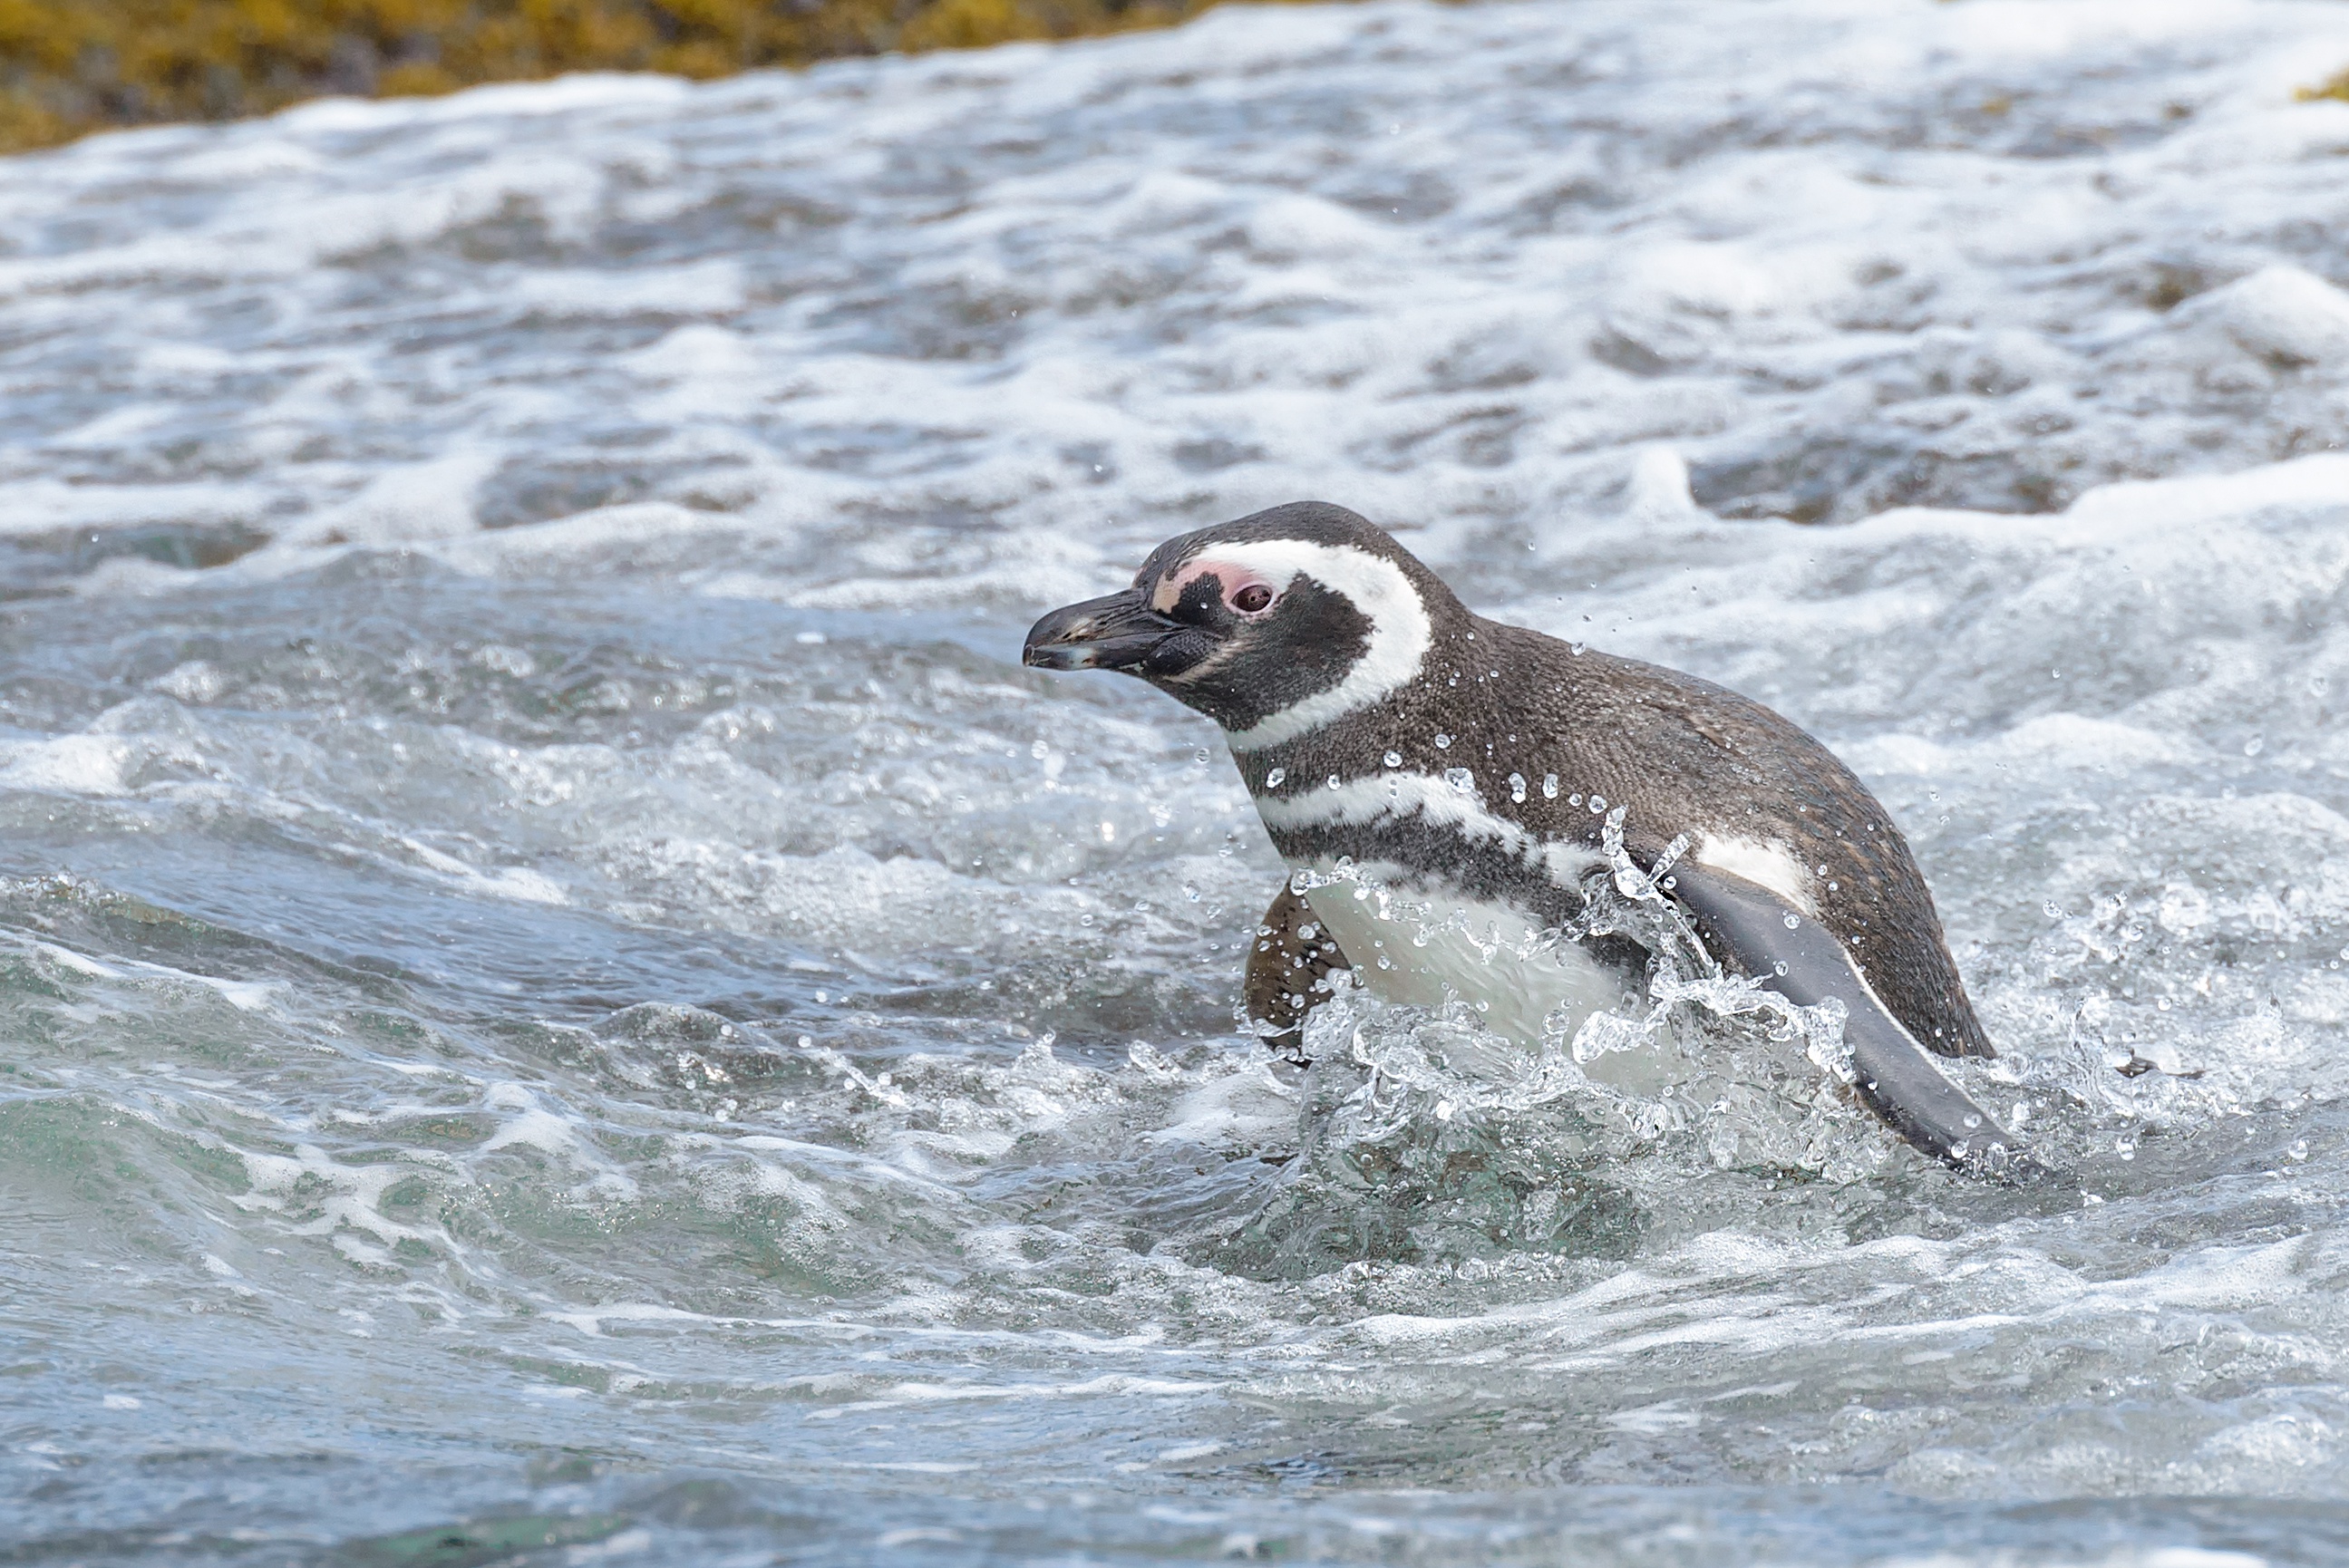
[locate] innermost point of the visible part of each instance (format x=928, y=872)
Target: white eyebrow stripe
x=1400, y=632
x=1433, y=800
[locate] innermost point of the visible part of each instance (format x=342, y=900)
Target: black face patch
x=1239, y=669
x=1202, y=603
x=1178, y=652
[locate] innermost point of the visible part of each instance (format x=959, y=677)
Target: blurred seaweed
x=69, y=69
x=2335, y=86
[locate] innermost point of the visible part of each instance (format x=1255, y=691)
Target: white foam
x=1240, y=1108
x=2283, y=314
x=1554, y=289
x=70, y=764
x=77, y=963
x=1457, y=353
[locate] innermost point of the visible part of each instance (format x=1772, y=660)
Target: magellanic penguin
x=1387, y=731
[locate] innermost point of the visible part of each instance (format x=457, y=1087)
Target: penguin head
x=1271, y=625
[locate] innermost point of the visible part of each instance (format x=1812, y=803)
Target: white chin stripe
x=1771, y=865
x=1433, y=800
x=1400, y=631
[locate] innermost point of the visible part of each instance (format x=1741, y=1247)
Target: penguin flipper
x=1760, y=932
x=1286, y=969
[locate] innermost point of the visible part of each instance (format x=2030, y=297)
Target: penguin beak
x=1118, y=632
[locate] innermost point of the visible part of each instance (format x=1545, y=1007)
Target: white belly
x=1421, y=948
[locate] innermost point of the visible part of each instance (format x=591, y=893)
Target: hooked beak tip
x=1055, y=656
x=1114, y=633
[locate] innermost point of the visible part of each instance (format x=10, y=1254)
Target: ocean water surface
x=564, y=999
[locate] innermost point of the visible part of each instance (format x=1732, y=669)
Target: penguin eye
x=1251, y=598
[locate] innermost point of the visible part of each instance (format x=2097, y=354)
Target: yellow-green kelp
x=2334, y=87
x=68, y=68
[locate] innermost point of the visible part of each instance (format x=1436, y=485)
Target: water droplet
x=1392, y=759
x=1574, y=800
x=1039, y=750
x=1443, y=742
x=1792, y=923
x=1460, y=778
x=2299, y=1150
x=1200, y=755
x=1516, y=786
x=1334, y=782
x=1599, y=802
x=1190, y=893
x=1272, y=781
x=1549, y=786
x=2254, y=746
x=2051, y=910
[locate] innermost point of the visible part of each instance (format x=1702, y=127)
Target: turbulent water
x=563, y=998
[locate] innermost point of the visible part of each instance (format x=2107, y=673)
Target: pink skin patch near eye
x=1234, y=580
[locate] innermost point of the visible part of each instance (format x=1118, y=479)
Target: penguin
x=1476, y=773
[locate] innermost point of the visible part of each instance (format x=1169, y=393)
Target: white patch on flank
x=1400, y=631
x=1770, y=865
